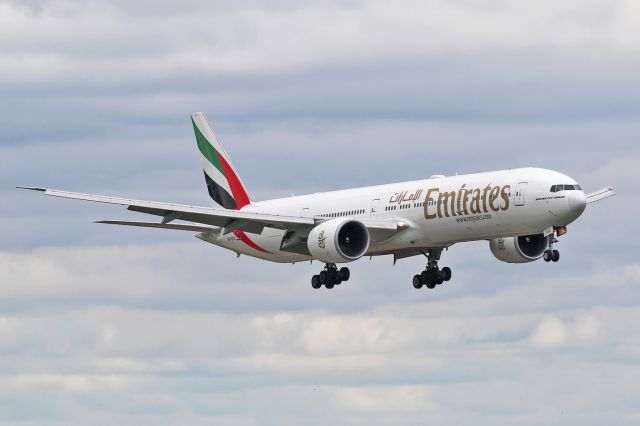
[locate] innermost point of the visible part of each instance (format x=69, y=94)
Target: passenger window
x=554, y=188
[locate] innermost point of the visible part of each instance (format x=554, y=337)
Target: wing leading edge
x=226, y=219
x=223, y=218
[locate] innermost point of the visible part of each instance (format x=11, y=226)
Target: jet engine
x=523, y=249
x=338, y=241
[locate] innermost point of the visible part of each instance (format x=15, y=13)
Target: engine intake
x=338, y=241
x=522, y=249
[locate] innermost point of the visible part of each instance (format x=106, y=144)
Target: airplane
x=521, y=212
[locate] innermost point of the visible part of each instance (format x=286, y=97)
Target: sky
x=103, y=325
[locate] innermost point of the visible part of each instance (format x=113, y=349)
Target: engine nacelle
x=523, y=249
x=338, y=241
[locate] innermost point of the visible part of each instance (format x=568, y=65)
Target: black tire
x=446, y=273
x=424, y=277
x=329, y=285
x=332, y=276
x=556, y=256
x=439, y=277
x=547, y=256
x=323, y=278
x=345, y=274
x=315, y=282
x=417, y=282
x=432, y=279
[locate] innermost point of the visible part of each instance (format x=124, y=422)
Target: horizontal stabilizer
x=600, y=194
x=176, y=226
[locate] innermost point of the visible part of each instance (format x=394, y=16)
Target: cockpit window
x=558, y=188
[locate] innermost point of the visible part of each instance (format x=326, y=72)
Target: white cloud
x=206, y=361
x=550, y=333
x=383, y=400
x=632, y=273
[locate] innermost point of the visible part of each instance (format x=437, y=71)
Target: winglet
x=32, y=188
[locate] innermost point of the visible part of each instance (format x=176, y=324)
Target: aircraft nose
x=577, y=202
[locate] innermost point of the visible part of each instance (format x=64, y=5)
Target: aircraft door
x=520, y=191
x=304, y=212
x=374, y=209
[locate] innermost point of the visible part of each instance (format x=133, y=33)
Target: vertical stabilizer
x=223, y=182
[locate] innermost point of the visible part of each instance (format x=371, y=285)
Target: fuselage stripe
x=245, y=239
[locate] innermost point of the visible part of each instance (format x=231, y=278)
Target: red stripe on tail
x=239, y=194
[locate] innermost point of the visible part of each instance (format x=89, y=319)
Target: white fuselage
x=435, y=212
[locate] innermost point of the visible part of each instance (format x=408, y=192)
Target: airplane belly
x=263, y=246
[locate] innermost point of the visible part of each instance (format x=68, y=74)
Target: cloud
x=205, y=362
x=550, y=333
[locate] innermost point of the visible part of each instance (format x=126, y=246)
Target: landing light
x=561, y=230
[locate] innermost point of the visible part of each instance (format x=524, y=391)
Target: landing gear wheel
x=432, y=275
x=417, y=281
x=556, y=256
x=547, y=256
x=446, y=273
x=344, y=274
x=315, y=282
x=330, y=276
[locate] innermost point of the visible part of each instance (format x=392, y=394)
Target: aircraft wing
x=228, y=220
x=223, y=218
x=600, y=194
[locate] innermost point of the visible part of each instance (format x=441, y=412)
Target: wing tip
x=32, y=188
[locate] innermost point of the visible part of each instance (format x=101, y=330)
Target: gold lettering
x=493, y=196
x=466, y=199
x=427, y=201
x=475, y=202
x=505, y=196
x=445, y=199
x=459, y=209
x=484, y=198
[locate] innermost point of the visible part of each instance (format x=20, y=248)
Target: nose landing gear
x=432, y=275
x=551, y=255
x=330, y=277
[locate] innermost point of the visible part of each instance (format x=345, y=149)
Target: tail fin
x=224, y=184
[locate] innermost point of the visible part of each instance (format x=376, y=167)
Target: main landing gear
x=551, y=255
x=330, y=277
x=432, y=275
